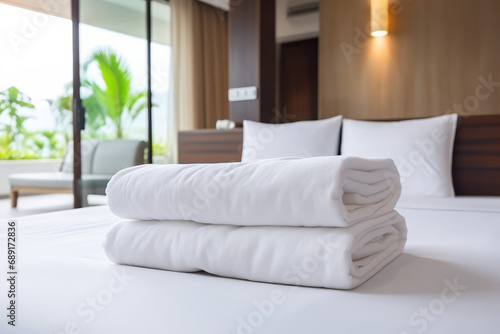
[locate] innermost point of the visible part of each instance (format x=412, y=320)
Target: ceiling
x=116, y=15
x=159, y=12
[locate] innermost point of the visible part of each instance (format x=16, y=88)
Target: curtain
x=200, y=64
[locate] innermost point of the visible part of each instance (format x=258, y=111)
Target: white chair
x=100, y=161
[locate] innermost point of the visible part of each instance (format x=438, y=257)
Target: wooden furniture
x=476, y=155
x=200, y=146
x=15, y=190
x=100, y=161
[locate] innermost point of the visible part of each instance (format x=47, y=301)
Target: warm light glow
x=379, y=17
x=379, y=33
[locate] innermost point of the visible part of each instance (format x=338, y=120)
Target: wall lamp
x=379, y=21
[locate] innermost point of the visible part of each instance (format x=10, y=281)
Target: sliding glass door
x=114, y=53
x=163, y=132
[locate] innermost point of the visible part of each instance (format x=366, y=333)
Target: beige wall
x=431, y=61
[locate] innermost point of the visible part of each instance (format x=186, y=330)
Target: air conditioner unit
x=301, y=7
x=221, y=4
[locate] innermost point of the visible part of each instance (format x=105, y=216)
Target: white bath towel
x=330, y=257
x=322, y=191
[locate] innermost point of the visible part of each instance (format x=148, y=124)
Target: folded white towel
x=330, y=257
x=322, y=191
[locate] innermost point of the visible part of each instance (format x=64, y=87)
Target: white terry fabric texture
x=330, y=257
x=323, y=191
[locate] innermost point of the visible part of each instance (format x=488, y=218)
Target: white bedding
x=332, y=191
x=329, y=257
x=66, y=283
x=462, y=203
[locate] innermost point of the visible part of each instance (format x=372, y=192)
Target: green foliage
x=109, y=100
x=114, y=100
x=12, y=131
x=159, y=148
x=7, y=152
x=50, y=140
x=11, y=100
x=15, y=141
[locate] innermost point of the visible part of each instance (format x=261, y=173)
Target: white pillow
x=299, y=139
x=422, y=150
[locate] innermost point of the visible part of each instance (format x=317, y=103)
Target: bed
x=447, y=280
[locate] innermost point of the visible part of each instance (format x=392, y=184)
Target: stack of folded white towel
x=322, y=222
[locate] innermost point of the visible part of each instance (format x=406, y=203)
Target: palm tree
x=115, y=98
x=95, y=116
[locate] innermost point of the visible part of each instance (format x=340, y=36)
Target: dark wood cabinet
x=209, y=146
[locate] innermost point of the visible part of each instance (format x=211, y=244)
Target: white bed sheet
x=459, y=203
x=62, y=269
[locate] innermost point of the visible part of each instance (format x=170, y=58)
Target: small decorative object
x=225, y=124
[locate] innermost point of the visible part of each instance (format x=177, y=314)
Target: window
x=36, y=76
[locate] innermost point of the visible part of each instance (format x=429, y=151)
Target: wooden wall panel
x=252, y=58
x=267, y=58
x=244, y=64
x=429, y=64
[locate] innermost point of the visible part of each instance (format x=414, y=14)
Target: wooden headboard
x=476, y=156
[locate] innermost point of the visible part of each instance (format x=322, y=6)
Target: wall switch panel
x=242, y=94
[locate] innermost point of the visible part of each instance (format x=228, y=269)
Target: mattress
x=447, y=281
